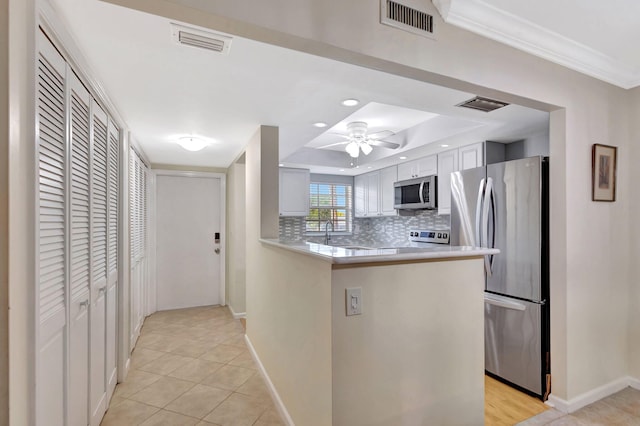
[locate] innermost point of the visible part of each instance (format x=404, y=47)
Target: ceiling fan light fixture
x=353, y=149
x=191, y=143
x=366, y=148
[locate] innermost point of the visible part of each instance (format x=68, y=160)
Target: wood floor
x=505, y=406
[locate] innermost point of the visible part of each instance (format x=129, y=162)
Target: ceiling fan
x=358, y=140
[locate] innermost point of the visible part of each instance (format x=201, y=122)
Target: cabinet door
x=388, y=177
x=294, y=192
x=471, y=156
x=360, y=196
x=447, y=164
x=427, y=166
x=373, y=199
x=406, y=170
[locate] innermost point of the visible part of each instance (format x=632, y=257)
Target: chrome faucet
x=327, y=237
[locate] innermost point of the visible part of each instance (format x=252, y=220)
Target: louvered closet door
x=112, y=255
x=137, y=171
x=99, y=201
x=51, y=258
x=79, y=102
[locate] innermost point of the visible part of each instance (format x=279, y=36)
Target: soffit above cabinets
x=594, y=37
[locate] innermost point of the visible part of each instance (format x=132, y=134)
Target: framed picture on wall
x=603, y=181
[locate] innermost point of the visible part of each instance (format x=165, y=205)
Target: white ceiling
x=163, y=91
x=594, y=37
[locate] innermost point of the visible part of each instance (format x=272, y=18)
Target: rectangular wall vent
x=483, y=104
x=406, y=18
x=201, y=39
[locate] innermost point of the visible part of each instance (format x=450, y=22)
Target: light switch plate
x=353, y=301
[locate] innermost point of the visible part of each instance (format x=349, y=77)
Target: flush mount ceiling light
x=320, y=124
x=192, y=143
x=350, y=102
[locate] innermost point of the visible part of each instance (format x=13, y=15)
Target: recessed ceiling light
x=444, y=145
x=192, y=143
x=350, y=102
x=403, y=158
x=320, y=124
x=342, y=170
x=368, y=167
x=281, y=165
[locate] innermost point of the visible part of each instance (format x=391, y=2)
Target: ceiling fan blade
x=380, y=135
x=333, y=144
x=384, y=144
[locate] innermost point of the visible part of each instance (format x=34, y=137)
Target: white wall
x=4, y=213
x=21, y=209
x=590, y=270
x=415, y=356
x=236, y=236
x=634, y=299
x=278, y=285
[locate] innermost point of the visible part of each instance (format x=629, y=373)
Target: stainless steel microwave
x=419, y=193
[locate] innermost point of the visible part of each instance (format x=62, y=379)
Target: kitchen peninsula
x=415, y=355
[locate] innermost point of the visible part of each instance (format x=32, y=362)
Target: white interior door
x=187, y=218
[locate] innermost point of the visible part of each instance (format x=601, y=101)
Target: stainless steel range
x=426, y=238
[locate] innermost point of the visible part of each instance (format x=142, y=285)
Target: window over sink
x=330, y=202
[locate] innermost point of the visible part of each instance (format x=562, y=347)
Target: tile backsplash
x=391, y=230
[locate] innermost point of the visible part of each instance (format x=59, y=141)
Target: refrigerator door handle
x=492, y=194
x=479, y=212
x=502, y=302
x=488, y=193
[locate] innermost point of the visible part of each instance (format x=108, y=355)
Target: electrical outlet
x=354, y=301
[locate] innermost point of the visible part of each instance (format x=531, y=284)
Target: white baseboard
x=237, y=315
x=574, y=404
x=284, y=414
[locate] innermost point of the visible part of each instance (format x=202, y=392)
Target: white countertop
x=343, y=255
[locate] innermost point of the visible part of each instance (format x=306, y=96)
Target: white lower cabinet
x=294, y=192
x=374, y=194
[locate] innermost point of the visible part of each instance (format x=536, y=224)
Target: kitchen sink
x=349, y=247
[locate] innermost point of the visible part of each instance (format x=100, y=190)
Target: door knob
x=217, y=251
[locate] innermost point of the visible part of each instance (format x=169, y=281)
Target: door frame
x=151, y=293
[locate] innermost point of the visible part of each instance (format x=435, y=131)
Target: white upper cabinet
x=388, y=177
x=471, y=156
x=466, y=157
x=421, y=167
x=294, y=192
x=447, y=164
x=374, y=193
x=360, y=185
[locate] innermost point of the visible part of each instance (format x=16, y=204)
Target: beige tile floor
x=620, y=409
x=192, y=367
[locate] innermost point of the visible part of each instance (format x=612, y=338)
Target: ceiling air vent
x=202, y=39
x=483, y=104
x=406, y=18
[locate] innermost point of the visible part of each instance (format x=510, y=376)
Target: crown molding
x=484, y=19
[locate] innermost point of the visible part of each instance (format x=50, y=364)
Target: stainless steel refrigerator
x=505, y=206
